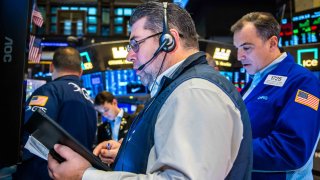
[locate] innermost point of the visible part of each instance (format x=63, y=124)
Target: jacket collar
x=194, y=59
x=282, y=69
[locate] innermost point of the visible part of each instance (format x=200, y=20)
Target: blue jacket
x=135, y=149
x=66, y=102
x=285, y=123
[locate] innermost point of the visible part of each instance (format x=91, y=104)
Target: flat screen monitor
x=14, y=21
x=306, y=26
x=302, y=28
x=104, y=55
x=93, y=82
x=129, y=108
x=227, y=74
x=286, y=34
x=306, y=55
x=32, y=85
x=124, y=82
x=224, y=54
x=238, y=77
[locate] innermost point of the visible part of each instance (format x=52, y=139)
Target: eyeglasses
x=134, y=45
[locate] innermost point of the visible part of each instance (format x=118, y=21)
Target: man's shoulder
x=299, y=72
x=53, y=84
x=297, y=77
x=64, y=84
x=49, y=86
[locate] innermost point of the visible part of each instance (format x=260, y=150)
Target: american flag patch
x=38, y=101
x=307, y=99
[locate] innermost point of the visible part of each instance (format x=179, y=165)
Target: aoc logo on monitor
x=7, y=49
x=308, y=57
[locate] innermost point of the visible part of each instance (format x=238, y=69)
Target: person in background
x=282, y=100
x=65, y=101
x=195, y=126
x=138, y=109
x=212, y=62
x=117, y=121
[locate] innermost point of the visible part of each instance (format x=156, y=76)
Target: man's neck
x=178, y=56
x=274, y=56
x=56, y=75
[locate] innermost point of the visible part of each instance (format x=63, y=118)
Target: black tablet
x=49, y=133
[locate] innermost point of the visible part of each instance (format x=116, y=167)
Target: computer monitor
x=306, y=55
x=32, y=85
x=306, y=26
x=93, y=82
x=129, y=108
x=227, y=74
x=302, y=28
x=124, y=82
x=14, y=34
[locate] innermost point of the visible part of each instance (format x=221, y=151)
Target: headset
x=166, y=38
x=166, y=41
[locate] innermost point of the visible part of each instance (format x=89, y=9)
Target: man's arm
x=197, y=136
x=292, y=140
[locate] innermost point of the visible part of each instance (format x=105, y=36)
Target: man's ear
x=175, y=35
x=114, y=101
x=274, y=42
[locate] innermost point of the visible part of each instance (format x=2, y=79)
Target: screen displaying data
x=124, y=83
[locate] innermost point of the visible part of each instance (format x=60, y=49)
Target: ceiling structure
x=213, y=18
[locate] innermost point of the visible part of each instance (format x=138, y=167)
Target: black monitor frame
x=15, y=18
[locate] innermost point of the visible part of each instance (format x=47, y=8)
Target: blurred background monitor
x=93, y=82
x=302, y=28
x=32, y=85
x=124, y=82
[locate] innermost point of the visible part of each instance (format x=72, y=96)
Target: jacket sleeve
x=49, y=103
x=295, y=131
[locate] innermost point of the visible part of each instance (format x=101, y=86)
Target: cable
x=154, y=81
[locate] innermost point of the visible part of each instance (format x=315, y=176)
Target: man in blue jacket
x=65, y=101
x=282, y=100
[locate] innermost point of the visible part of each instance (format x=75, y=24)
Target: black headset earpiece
x=166, y=39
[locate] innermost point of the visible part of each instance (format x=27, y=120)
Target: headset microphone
x=154, y=55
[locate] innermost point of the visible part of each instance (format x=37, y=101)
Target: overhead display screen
x=104, y=56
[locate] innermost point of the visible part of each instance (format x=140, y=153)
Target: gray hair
x=178, y=19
